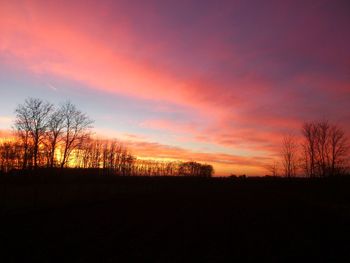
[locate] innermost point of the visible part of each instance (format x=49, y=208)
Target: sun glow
x=203, y=90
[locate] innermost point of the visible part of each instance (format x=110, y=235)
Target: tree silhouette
x=31, y=122
x=54, y=134
x=273, y=168
x=47, y=136
x=75, y=128
x=289, y=155
x=325, y=149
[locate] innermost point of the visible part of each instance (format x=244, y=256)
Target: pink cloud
x=248, y=84
x=224, y=164
x=49, y=44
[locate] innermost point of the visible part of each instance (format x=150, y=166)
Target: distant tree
x=195, y=169
x=289, y=155
x=325, y=149
x=76, y=129
x=206, y=170
x=339, y=150
x=10, y=155
x=273, y=168
x=31, y=123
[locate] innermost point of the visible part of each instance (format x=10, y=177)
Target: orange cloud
x=224, y=164
x=248, y=86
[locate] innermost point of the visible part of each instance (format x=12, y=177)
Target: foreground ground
x=173, y=220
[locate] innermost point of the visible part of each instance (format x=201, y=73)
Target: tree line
x=323, y=151
x=49, y=136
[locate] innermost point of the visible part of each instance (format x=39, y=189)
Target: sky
x=219, y=82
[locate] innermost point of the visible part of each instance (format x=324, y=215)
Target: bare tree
x=76, y=128
x=339, y=150
x=54, y=134
x=25, y=141
x=289, y=155
x=273, y=168
x=31, y=122
x=10, y=155
x=43, y=129
x=325, y=149
x=309, y=131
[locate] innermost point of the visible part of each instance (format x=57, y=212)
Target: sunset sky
x=219, y=82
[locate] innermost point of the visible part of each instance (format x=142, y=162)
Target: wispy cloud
x=248, y=74
x=224, y=164
x=52, y=87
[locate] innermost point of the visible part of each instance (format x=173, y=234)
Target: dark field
x=116, y=219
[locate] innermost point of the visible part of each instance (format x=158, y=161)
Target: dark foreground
x=173, y=220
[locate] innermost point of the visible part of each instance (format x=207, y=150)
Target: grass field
x=135, y=219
